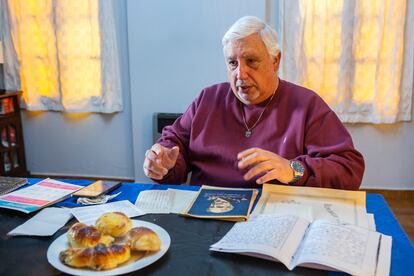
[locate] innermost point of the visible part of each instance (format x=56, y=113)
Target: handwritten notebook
x=9, y=184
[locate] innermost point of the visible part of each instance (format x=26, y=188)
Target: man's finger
x=173, y=153
x=152, y=175
x=252, y=159
x=271, y=175
x=155, y=167
x=158, y=149
x=245, y=153
x=260, y=168
x=151, y=155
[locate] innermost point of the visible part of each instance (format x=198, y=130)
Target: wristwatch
x=298, y=170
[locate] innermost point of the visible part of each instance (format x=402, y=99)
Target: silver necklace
x=249, y=130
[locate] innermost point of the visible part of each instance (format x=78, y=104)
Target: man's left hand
x=265, y=162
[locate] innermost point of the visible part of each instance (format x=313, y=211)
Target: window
x=352, y=53
x=67, y=54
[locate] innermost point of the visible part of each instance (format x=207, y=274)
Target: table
x=191, y=238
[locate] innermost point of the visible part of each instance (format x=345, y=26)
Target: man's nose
x=242, y=71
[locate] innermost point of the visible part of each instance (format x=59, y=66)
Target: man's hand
x=265, y=162
x=159, y=160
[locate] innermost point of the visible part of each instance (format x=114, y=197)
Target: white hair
x=248, y=25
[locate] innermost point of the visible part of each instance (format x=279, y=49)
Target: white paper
x=181, y=200
x=90, y=214
x=265, y=236
x=384, y=256
x=155, y=201
x=327, y=204
x=345, y=247
x=303, y=211
x=45, y=223
x=164, y=201
x=371, y=222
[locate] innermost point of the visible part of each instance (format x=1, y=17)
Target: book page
x=344, y=247
x=181, y=200
x=328, y=204
x=270, y=237
x=155, y=201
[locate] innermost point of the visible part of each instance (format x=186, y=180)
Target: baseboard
x=393, y=194
x=32, y=175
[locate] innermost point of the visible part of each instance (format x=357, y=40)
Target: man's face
x=252, y=72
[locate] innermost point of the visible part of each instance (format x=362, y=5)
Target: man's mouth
x=244, y=88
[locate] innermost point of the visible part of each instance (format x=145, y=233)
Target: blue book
x=231, y=204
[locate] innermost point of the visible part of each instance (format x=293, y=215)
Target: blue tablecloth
x=402, y=256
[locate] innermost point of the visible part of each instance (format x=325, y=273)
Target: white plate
x=61, y=243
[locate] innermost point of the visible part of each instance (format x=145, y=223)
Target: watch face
x=298, y=167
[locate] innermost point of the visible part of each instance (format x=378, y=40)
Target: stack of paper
x=315, y=203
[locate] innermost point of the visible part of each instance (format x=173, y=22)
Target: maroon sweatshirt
x=297, y=124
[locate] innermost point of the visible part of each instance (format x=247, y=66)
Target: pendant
x=248, y=133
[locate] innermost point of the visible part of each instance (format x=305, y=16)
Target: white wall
x=170, y=51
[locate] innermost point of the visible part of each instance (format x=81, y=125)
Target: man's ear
x=276, y=61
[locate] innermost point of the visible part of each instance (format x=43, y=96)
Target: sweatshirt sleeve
x=330, y=159
x=178, y=134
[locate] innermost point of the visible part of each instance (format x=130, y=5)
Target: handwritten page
x=346, y=247
x=45, y=223
x=164, y=201
x=155, y=201
x=265, y=235
x=90, y=214
x=328, y=204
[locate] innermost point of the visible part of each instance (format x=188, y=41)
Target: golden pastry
x=143, y=239
x=81, y=235
x=115, y=224
x=100, y=257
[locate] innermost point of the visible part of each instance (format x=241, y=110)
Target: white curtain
x=62, y=54
x=356, y=54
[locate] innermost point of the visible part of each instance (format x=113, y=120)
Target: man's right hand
x=159, y=160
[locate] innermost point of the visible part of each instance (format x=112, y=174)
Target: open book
x=38, y=196
x=321, y=244
x=222, y=203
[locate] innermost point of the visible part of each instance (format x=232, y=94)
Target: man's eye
x=252, y=62
x=232, y=64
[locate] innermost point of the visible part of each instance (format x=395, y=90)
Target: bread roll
x=115, y=224
x=80, y=235
x=100, y=257
x=143, y=239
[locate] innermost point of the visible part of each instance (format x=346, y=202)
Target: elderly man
x=257, y=128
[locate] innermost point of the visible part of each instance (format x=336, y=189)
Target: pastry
x=100, y=257
x=143, y=239
x=115, y=224
x=81, y=235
